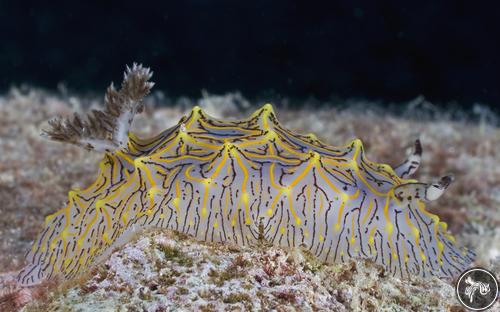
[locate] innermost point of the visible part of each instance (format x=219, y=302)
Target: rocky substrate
x=162, y=271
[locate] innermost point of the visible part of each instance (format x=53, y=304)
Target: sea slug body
x=241, y=182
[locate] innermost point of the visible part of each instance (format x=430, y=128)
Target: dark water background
x=379, y=50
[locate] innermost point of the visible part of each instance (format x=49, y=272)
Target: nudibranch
x=243, y=182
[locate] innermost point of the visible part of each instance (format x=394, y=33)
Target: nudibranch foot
x=246, y=182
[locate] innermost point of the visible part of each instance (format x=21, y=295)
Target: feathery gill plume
x=106, y=130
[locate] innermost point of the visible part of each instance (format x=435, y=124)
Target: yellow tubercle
x=450, y=238
x=315, y=157
x=389, y=228
x=72, y=194
x=228, y=145
x=270, y=135
x=175, y=201
x=244, y=198
x=385, y=167
x=49, y=218
x=416, y=232
x=354, y=165
x=409, y=181
x=124, y=218
x=139, y=162
x=357, y=143
x=99, y=204
x=287, y=190
x=440, y=246
x=196, y=109
x=64, y=234
x=312, y=136
x=268, y=108
x=371, y=240
x=444, y=226
x=153, y=191
x=105, y=238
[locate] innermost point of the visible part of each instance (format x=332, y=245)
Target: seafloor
x=162, y=271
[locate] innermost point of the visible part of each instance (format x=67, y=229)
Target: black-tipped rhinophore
x=423, y=191
x=106, y=130
x=410, y=165
x=435, y=190
x=418, y=147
